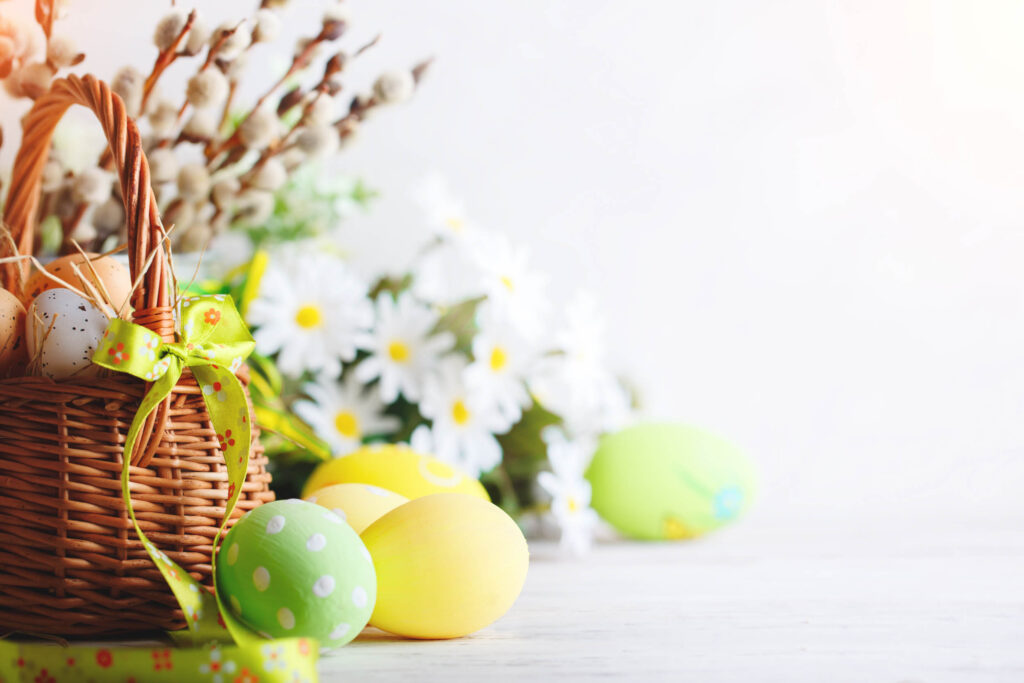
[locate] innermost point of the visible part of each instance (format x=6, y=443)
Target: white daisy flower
x=585, y=330
x=589, y=399
x=444, y=274
x=574, y=382
x=422, y=440
x=464, y=423
x=570, y=491
x=515, y=293
x=344, y=413
x=501, y=360
x=311, y=311
x=445, y=213
x=402, y=348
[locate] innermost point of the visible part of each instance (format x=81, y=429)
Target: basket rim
x=148, y=247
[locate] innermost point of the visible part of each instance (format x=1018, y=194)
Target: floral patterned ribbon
x=290, y=659
x=214, y=344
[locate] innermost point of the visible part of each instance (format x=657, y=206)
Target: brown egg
x=112, y=274
x=12, y=335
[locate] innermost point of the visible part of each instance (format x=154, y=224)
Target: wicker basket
x=70, y=561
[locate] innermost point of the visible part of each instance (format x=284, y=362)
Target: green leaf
x=307, y=206
x=524, y=456
x=51, y=234
x=204, y=287
x=267, y=376
x=289, y=475
x=289, y=427
x=460, y=320
x=361, y=194
x=391, y=285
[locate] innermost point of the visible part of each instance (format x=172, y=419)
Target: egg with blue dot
x=664, y=481
x=291, y=568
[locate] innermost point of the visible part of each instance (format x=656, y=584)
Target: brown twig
x=68, y=227
x=210, y=57
x=44, y=16
x=299, y=62
x=165, y=59
x=367, y=46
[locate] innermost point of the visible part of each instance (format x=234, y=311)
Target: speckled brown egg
x=110, y=272
x=12, y=335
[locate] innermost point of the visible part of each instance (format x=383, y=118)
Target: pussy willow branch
x=299, y=62
x=165, y=59
x=327, y=84
x=211, y=55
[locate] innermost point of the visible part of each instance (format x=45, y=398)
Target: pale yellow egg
x=114, y=276
x=12, y=335
x=447, y=565
x=396, y=468
x=358, y=504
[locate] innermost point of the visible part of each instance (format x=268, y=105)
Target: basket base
x=70, y=560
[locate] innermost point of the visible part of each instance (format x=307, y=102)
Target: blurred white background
x=804, y=219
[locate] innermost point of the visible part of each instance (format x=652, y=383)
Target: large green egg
x=668, y=481
x=294, y=569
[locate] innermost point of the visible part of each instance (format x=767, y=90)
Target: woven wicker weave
x=70, y=561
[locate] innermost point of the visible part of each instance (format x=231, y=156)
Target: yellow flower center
x=455, y=223
x=499, y=359
x=460, y=413
x=507, y=281
x=347, y=424
x=572, y=504
x=309, y=316
x=399, y=351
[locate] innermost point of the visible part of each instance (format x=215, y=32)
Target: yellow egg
x=447, y=565
x=395, y=468
x=12, y=334
x=358, y=504
x=110, y=272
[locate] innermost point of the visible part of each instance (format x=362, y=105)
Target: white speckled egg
x=12, y=334
x=294, y=569
x=64, y=329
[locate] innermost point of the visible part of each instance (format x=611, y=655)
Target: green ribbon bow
x=214, y=342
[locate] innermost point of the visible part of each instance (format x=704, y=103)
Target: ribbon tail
x=227, y=405
x=197, y=604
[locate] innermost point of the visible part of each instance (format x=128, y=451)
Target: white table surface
x=922, y=603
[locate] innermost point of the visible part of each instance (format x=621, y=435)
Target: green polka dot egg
x=295, y=569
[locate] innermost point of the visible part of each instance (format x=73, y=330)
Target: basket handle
x=152, y=299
